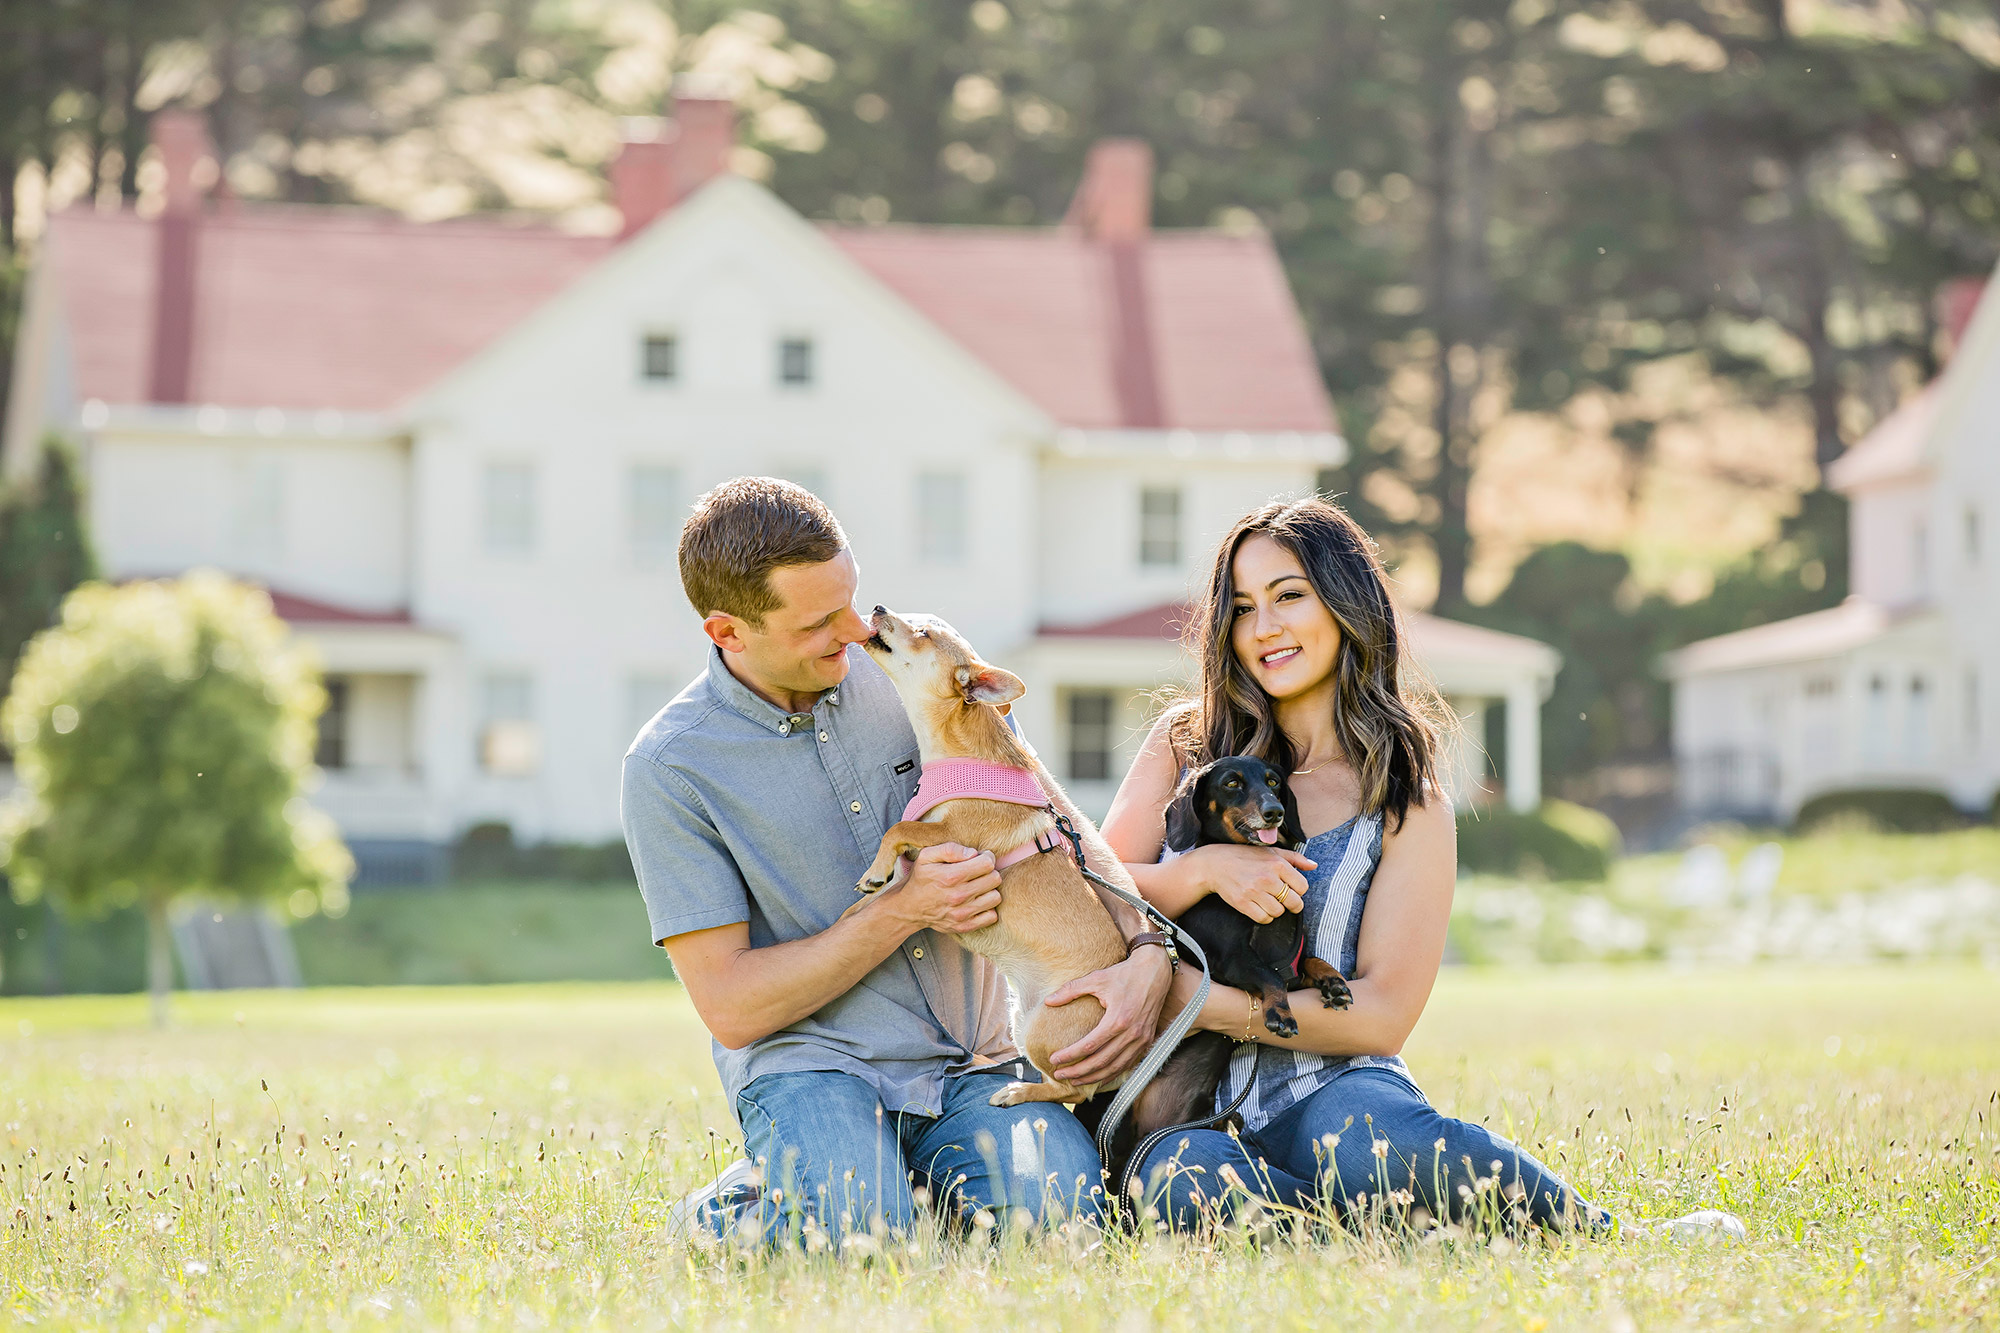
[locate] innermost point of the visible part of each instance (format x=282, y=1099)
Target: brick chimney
x=1114, y=209
x=1956, y=302
x=181, y=139
x=660, y=164
x=1114, y=201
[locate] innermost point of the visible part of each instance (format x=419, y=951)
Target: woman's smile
x=1278, y=656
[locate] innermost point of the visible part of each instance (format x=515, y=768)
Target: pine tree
x=44, y=550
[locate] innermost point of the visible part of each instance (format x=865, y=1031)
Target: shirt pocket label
x=897, y=783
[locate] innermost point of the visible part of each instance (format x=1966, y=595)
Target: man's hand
x=1131, y=993
x=950, y=889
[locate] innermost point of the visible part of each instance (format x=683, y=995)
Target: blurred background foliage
x=1598, y=286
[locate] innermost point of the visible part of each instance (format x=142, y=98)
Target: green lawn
x=447, y=934
x=482, y=933
x=466, y=1157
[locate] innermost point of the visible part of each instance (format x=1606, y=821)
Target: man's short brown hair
x=740, y=532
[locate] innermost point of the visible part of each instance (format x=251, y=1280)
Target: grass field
x=465, y=1157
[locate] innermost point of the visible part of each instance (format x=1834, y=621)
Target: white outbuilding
x=1895, y=688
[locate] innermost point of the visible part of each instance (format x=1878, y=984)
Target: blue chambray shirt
x=736, y=811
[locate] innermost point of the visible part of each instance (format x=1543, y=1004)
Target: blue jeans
x=838, y=1155
x=1364, y=1138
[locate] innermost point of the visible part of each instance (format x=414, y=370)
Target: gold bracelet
x=1250, y=1019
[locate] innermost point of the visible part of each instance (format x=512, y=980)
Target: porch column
x=1524, y=744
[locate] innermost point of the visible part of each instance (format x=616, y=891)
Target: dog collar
x=953, y=779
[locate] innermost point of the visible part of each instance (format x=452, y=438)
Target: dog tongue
x=1267, y=835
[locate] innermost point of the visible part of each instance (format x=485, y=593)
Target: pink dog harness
x=954, y=779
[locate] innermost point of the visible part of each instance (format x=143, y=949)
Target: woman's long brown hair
x=1387, y=720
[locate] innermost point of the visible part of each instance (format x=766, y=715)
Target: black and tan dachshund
x=1245, y=801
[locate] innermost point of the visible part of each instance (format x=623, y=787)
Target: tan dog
x=1053, y=928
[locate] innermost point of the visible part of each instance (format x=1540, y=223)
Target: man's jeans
x=1369, y=1140
x=825, y=1140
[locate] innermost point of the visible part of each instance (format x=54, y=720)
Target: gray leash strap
x=1163, y=1044
x=1123, y=1185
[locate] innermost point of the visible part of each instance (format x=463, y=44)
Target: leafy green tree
x=44, y=550
x=163, y=733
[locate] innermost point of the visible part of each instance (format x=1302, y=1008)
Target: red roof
x=305, y=611
x=306, y=307
x=1165, y=621
x=317, y=307
x=1043, y=307
x=1894, y=449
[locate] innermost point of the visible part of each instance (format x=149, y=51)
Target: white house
x=458, y=454
x=1896, y=687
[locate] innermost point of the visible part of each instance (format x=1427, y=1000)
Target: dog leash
x=1165, y=1043
x=1154, y=1139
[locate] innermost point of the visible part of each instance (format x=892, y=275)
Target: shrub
x=489, y=852
x=1558, y=841
x=1889, y=809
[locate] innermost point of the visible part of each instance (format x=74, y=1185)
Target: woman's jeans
x=825, y=1140
x=1374, y=1143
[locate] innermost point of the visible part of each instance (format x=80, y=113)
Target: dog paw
x=1012, y=1095
x=870, y=885
x=1281, y=1023
x=1334, y=994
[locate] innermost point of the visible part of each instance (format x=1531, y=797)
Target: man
x=856, y=1050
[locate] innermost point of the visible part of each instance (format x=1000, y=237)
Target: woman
x=1301, y=665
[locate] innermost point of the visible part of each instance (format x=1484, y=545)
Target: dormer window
x=795, y=362
x=660, y=358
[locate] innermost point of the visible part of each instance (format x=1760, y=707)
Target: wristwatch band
x=1159, y=937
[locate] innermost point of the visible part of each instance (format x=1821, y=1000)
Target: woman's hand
x=1263, y=883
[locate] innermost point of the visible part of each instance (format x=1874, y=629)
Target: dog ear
x=1183, y=824
x=1292, y=832
x=990, y=685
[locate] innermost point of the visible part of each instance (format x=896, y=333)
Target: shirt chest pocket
x=894, y=783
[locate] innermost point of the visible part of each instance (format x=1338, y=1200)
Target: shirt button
x=822, y=735
x=916, y=953
x=784, y=728
x=855, y=807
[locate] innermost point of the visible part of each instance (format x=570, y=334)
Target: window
x=646, y=694
x=509, y=518
x=1875, y=723
x=660, y=358
x=1090, y=735
x=331, y=751
x=1160, y=526
x=1917, y=722
x=1920, y=557
x=795, y=361
x=257, y=509
x=509, y=744
x=655, y=514
x=941, y=517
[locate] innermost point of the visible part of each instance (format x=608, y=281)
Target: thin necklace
x=1304, y=772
